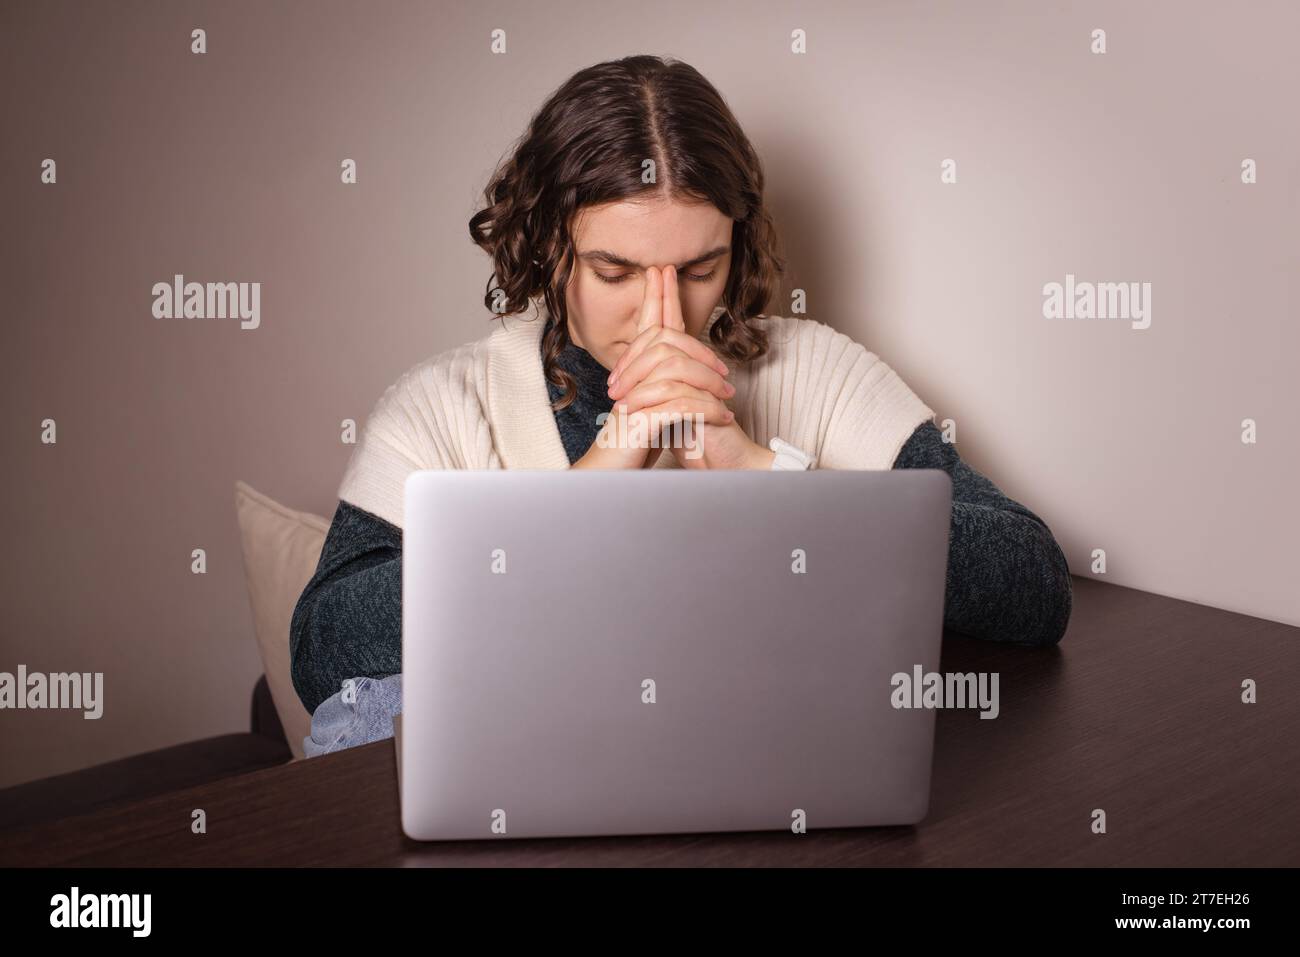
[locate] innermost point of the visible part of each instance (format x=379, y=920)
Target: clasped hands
x=669, y=390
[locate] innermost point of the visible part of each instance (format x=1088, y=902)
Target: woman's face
x=616, y=242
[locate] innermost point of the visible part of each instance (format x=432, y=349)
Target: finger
x=644, y=418
x=652, y=305
x=657, y=406
x=663, y=361
x=634, y=349
x=691, y=346
x=648, y=425
x=649, y=320
x=711, y=412
x=660, y=391
x=672, y=309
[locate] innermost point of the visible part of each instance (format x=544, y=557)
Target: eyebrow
x=616, y=260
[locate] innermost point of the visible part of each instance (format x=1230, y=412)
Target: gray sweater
x=1007, y=577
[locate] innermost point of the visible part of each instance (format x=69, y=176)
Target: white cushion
x=281, y=549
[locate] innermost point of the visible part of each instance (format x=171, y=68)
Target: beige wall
x=225, y=167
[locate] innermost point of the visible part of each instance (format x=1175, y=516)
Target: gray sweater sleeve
x=348, y=620
x=1007, y=577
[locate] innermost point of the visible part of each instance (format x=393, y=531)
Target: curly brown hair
x=586, y=146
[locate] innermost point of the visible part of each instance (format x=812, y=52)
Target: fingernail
x=725, y=370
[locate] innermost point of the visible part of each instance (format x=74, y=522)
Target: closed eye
x=689, y=275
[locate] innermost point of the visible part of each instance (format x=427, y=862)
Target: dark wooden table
x=1137, y=712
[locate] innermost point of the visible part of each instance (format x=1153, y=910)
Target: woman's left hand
x=719, y=447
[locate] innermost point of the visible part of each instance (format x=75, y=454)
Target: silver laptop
x=666, y=651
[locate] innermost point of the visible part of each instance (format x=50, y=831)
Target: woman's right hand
x=680, y=379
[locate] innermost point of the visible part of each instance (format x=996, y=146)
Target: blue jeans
x=358, y=713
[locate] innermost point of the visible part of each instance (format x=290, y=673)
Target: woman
x=633, y=209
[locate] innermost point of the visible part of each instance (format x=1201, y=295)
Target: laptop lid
x=666, y=651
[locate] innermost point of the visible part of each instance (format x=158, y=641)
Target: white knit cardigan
x=484, y=405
